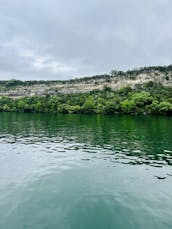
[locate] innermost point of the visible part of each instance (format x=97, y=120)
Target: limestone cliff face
x=115, y=80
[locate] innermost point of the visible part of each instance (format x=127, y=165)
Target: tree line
x=117, y=74
x=151, y=98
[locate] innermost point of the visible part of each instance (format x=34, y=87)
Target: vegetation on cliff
x=151, y=98
x=130, y=74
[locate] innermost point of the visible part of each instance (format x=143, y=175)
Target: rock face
x=115, y=81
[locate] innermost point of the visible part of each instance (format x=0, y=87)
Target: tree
x=165, y=108
x=143, y=98
x=128, y=106
x=89, y=105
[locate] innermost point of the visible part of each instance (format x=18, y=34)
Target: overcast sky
x=60, y=39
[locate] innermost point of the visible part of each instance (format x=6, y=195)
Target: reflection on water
x=81, y=171
x=122, y=139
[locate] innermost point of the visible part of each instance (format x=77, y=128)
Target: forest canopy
x=149, y=99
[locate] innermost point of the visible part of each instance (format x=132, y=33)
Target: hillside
x=115, y=80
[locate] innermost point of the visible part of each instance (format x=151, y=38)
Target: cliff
x=115, y=80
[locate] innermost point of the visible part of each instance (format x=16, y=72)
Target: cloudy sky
x=60, y=39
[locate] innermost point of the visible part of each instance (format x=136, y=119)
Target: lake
x=85, y=171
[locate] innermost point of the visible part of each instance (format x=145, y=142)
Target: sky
x=63, y=39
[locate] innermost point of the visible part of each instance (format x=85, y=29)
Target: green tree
x=165, y=108
x=89, y=105
x=128, y=106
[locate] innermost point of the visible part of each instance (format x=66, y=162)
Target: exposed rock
x=116, y=80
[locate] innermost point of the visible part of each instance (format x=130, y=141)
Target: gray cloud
x=60, y=39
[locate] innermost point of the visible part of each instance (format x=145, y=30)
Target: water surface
x=85, y=172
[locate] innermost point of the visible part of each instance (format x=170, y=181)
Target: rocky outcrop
x=115, y=81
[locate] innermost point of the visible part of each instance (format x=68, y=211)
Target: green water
x=85, y=172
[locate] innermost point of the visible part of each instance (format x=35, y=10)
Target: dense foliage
x=149, y=99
